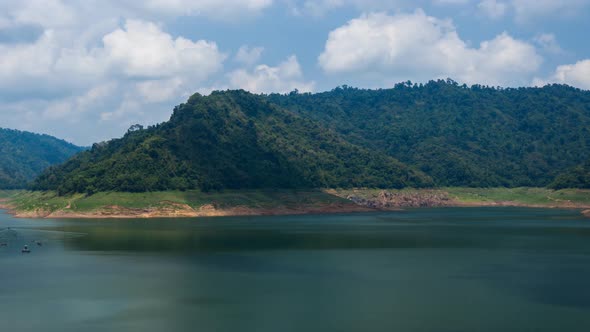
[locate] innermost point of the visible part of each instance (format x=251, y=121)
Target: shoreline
x=115, y=212
x=46, y=205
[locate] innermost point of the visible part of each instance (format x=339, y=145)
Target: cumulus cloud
x=47, y=13
x=577, y=74
x=139, y=50
x=86, y=70
x=142, y=49
x=156, y=91
x=44, y=67
x=422, y=47
x=125, y=76
x=248, y=55
x=285, y=77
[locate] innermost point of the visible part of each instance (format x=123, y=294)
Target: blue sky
x=86, y=70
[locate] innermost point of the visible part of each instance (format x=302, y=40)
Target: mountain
x=435, y=134
x=229, y=140
x=460, y=136
x=576, y=177
x=24, y=155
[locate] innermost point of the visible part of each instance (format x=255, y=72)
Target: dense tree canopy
x=25, y=155
x=576, y=177
x=440, y=133
x=229, y=140
x=461, y=136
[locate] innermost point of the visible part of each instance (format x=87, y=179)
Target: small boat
x=3, y=244
x=39, y=243
x=26, y=250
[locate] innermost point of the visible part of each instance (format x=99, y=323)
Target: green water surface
x=468, y=269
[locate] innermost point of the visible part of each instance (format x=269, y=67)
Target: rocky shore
x=424, y=198
x=175, y=210
x=386, y=200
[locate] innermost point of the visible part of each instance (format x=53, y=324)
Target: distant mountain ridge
x=24, y=155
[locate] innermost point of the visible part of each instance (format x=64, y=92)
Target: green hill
x=24, y=155
x=461, y=136
x=576, y=177
x=416, y=135
x=229, y=140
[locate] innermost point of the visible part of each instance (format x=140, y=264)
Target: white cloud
x=68, y=13
x=144, y=50
x=140, y=50
x=156, y=91
x=577, y=74
x=548, y=43
x=29, y=60
x=128, y=106
x=45, y=13
x=249, y=55
x=71, y=108
x=285, y=77
x=124, y=76
x=45, y=67
x=74, y=64
x=58, y=110
x=421, y=47
x=493, y=8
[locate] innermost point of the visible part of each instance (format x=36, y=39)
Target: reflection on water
x=500, y=269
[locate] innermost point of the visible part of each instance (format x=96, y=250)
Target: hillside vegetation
x=576, y=177
x=24, y=155
x=461, y=136
x=195, y=203
x=440, y=134
x=170, y=203
x=229, y=140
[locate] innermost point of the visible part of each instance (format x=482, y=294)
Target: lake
x=453, y=269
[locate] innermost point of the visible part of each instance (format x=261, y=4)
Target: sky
x=85, y=71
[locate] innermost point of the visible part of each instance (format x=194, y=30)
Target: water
x=479, y=269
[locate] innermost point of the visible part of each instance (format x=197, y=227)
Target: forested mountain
x=576, y=177
x=461, y=136
x=229, y=140
x=25, y=155
x=437, y=134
